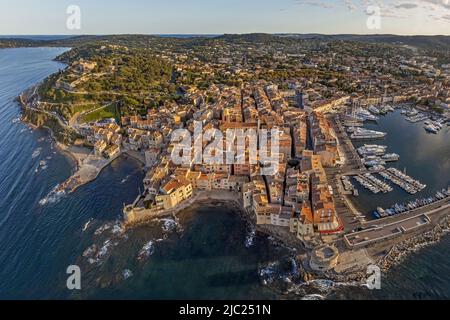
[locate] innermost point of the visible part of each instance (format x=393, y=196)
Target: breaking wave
x=147, y=250
x=250, y=238
x=53, y=197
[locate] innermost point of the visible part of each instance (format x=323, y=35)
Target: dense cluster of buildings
x=229, y=87
x=295, y=196
x=106, y=139
x=323, y=139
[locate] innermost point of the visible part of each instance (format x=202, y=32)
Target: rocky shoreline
x=204, y=198
x=354, y=276
x=396, y=255
x=399, y=252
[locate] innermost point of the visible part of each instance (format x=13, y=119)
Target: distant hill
x=425, y=42
x=251, y=37
x=439, y=43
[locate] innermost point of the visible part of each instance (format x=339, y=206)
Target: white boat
x=366, y=115
x=360, y=134
x=373, y=149
x=431, y=128
x=374, y=110
x=390, y=157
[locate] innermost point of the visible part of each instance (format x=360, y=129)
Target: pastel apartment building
x=324, y=140
x=173, y=193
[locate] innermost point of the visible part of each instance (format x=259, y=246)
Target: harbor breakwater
x=400, y=251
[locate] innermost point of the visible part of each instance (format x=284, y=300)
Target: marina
x=375, y=157
x=403, y=180
x=365, y=115
x=417, y=118
x=348, y=186
x=423, y=160
x=411, y=205
x=434, y=127
x=373, y=184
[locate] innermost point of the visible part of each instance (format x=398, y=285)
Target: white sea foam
x=102, y=229
x=53, y=197
x=86, y=226
x=169, y=225
x=104, y=250
x=89, y=252
x=269, y=272
x=125, y=179
x=127, y=273
x=250, y=238
x=15, y=120
x=117, y=229
x=313, y=297
x=36, y=153
x=146, y=251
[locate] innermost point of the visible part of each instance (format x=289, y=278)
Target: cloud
x=411, y=8
x=439, y=3
x=406, y=6
x=350, y=5
x=320, y=4
x=393, y=9
x=446, y=17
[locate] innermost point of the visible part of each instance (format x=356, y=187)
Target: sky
x=50, y=17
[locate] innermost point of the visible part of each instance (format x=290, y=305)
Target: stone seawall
x=138, y=216
x=400, y=251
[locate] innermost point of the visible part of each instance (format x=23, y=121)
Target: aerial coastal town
x=125, y=97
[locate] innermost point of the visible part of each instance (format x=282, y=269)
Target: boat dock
x=426, y=212
x=373, y=184
x=349, y=188
x=402, y=180
x=417, y=118
x=412, y=205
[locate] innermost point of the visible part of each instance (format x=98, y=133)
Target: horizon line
x=221, y=34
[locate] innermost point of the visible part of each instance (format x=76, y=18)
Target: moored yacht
x=366, y=115
x=360, y=134
x=431, y=128
x=374, y=110
x=390, y=157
